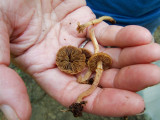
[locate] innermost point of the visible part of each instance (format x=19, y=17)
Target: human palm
x=39, y=30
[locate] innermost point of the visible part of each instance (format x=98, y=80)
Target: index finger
x=113, y=35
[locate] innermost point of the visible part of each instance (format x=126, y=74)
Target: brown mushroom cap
x=70, y=60
x=87, y=53
x=105, y=58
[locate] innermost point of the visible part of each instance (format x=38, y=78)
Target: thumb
x=14, y=101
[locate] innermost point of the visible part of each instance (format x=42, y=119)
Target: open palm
x=41, y=29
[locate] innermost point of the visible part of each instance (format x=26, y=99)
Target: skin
x=33, y=31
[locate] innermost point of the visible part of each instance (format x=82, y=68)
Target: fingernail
x=153, y=40
x=9, y=113
x=142, y=112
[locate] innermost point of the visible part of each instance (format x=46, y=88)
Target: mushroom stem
x=83, y=80
x=80, y=28
x=99, y=70
x=86, y=93
x=94, y=40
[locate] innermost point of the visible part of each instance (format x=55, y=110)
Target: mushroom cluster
x=73, y=60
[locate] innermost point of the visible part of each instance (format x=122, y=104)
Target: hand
x=38, y=30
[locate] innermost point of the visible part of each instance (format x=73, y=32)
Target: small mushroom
x=105, y=58
x=70, y=60
x=87, y=53
x=84, y=80
x=92, y=62
x=80, y=28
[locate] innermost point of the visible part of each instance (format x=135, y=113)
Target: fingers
x=14, y=101
x=132, y=78
x=4, y=42
x=107, y=102
x=130, y=55
x=112, y=35
x=137, y=55
x=115, y=102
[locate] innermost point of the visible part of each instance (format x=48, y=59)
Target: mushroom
x=98, y=63
x=80, y=28
x=84, y=80
x=87, y=54
x=93, y=61
x=70, y=60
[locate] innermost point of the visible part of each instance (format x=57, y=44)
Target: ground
x=45, y=108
